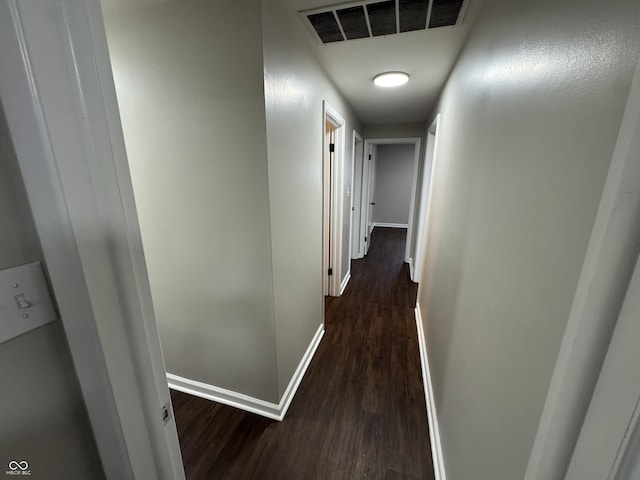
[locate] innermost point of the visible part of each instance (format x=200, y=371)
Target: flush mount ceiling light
x=391, y=79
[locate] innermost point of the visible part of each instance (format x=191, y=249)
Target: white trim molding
x=61, y=108
x=246, y=402
x=434, y=430
x=357, y=159
x=345, y=282
x=416, y=141
x=604, y=280
x=336, y=203
x=423, y=204
x=390, y=225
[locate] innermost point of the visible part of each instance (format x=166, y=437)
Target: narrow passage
x=360, y=410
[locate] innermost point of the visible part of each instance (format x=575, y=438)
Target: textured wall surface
x=193, y=115
x=530, y=117
x=295, y=87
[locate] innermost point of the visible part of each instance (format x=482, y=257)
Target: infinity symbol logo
x=23, y=465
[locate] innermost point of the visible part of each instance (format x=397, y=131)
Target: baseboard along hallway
x=360, y=411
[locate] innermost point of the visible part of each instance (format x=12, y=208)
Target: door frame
x=366, y=173
x=333, y=200
x=426, y=194
x=604, y=281
x=356, y=203
x=368, y=177
x=60, y=102
x=611, y=427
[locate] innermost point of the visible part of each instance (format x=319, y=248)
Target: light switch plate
x=25, y=302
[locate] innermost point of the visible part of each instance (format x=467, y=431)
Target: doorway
x=334, y=278
x=425, y=194
x=368, y=195
x=356, y=193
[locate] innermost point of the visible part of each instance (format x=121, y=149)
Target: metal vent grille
x=374, y=18
x=382, y=17
x=444, y=13
x=326, y=26
x=354, y=22
x=413, y=15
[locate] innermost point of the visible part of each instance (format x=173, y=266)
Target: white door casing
x=424, y=203
x=356, y=189
x=600, y=296
x=57, y=89
x=368, y=192
x=333, y=219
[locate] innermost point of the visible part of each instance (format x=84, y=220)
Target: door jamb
x=416, y=141
x=77, y=180
x=426, y=195
x=355, y=219
x=332, y=116
x=604, y=279
x=364, y=200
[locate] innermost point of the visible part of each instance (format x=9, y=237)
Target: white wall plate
x=25, y=301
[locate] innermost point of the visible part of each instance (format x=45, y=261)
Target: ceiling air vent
x=413, y=15
x=374, y=18
x=326, y=26
x=382, y=17
x=354, y=22
x=444, y=13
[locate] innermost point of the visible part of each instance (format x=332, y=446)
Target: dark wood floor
x=360, y=410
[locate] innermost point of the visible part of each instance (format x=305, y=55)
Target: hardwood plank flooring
x=360, y=410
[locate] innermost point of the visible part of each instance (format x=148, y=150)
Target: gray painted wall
x=404, y=130
x=295, y=87
x=43, y=419
x=357, y=199
x=233, y=242
x=530, y=116
x=394, y=179
x=193, y=114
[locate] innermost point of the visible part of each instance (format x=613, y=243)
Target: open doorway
x=334, y=279
x=356, y=195
x=395, y=188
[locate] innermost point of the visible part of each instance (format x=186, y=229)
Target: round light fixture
x=391, y=79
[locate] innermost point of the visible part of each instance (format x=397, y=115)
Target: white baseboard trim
x=345, y=282
x=298, y=375
x=246, y=402
x=434, y=430
x=410, y=262
x=390, y=225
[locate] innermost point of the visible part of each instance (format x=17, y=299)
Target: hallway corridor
x=360, y=410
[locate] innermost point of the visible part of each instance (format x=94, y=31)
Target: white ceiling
x=427, y=55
